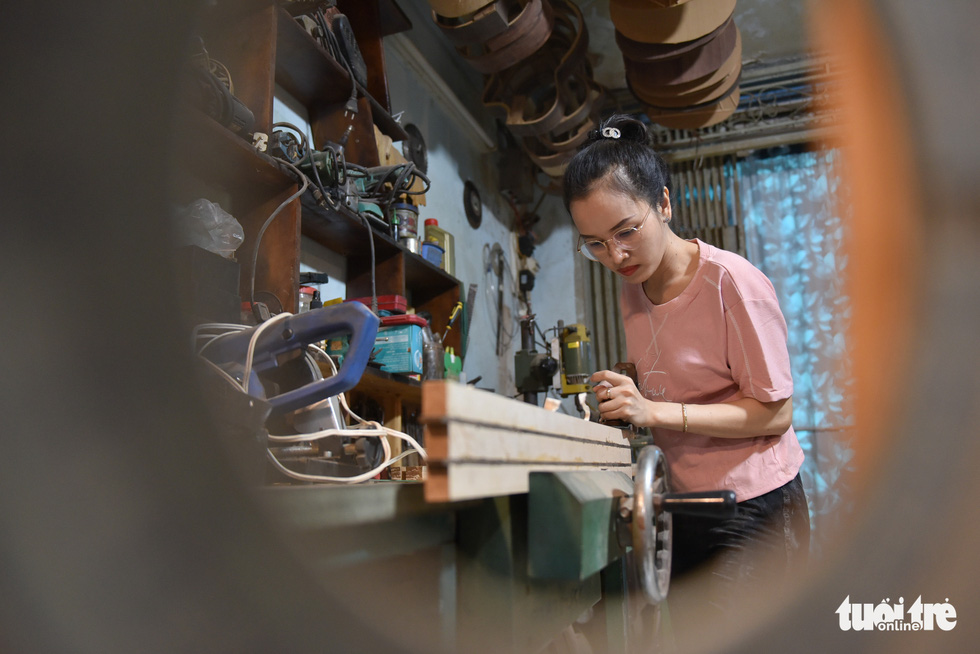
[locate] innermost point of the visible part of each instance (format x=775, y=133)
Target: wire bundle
x=209, y=332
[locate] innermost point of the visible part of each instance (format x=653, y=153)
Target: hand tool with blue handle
x=287, y=340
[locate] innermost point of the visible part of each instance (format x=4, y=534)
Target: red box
x=405, y=319
x=390, y=303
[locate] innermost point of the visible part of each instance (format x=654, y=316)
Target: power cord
x=265, y=226
x=366, y=429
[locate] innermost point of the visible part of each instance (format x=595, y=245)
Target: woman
x=704, y=329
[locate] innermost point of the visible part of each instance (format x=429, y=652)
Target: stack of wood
x=543, y=89
x=683, y=58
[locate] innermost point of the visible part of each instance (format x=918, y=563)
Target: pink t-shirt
x=723, y=338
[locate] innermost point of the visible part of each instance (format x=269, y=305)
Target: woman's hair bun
x=620, y=127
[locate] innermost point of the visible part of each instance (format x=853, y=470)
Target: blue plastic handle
x=292, y=335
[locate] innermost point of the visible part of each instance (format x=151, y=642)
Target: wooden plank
x=484, y=445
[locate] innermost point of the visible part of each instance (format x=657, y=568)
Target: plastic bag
x=205, y=224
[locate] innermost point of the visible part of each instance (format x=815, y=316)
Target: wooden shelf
x=315, y=78
x=262, y=45
x=211, y=151
x=379, y=382
x=341, y=232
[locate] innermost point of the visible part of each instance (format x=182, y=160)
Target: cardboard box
x=398, y=346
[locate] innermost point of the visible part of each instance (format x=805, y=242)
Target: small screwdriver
x=452, y=319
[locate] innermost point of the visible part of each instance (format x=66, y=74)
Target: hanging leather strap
x=642, y=21
x=691, y=65
x=698, y=117
x=704, y=89
x=532, y=97
x=484, y=24
x=456, y=8
x=524, y=35
x=641, y=52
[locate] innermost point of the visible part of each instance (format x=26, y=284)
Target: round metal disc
x=413, y=148
x=472, y=204
x=651, y=526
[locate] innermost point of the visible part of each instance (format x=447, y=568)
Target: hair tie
x=610, y=133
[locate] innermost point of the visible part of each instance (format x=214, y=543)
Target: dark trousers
x=767, y=541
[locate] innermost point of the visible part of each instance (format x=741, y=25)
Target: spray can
x=444, y=240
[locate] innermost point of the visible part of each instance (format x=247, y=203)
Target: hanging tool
x=497, y=264
x=533, y=370
x=468, y=316
x=452, y=319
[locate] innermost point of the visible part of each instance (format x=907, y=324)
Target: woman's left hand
x=620, y=399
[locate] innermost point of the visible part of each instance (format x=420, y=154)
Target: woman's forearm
x=737, y=419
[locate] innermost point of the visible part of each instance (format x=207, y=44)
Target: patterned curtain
x=788, y=203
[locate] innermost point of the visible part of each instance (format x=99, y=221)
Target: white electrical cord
x=249, y=357
x=368, y=428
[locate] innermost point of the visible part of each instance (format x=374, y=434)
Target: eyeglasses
x=625, y=239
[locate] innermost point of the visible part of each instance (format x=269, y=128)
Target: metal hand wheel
x=651, y=519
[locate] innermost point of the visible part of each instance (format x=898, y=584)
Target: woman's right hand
x=620, y=399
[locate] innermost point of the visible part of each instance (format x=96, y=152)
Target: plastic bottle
x=445, y=240
x=433, y=356
x=433, y=253
x=306, y=294
x=408, y=219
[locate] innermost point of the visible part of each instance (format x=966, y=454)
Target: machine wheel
x=651, y=525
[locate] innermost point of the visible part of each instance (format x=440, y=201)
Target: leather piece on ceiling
x=488, y=22
x=695, y=118
x=691, y=101
x=456, y=8
x=527, y=33
x=691, y=65
x=711, y=81
x=654, y=52
x=532, y=97
x=642, y=21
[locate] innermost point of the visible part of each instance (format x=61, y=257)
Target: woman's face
x=642, y=229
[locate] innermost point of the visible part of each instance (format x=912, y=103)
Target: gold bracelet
x=684, y=413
